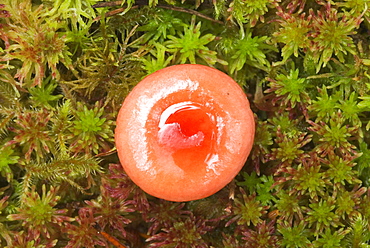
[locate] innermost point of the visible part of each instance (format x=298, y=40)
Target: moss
x=66, y=67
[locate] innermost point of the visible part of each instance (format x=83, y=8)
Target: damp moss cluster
x=66, y=67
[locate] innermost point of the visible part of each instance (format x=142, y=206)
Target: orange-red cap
x=184, y=132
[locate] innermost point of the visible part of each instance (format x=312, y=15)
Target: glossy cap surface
x=184, y=132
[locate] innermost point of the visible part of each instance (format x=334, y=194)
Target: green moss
x=66, y=66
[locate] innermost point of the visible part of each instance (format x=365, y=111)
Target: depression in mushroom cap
x=184, y=132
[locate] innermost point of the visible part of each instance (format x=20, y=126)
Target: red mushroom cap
x=184, y=132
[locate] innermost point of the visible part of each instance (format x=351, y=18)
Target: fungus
x=184, y=132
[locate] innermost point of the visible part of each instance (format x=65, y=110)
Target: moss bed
x=66, y=67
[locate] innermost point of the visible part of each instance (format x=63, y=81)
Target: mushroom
x=184, y=132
